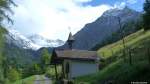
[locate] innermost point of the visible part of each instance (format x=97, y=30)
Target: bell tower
x=70, y=40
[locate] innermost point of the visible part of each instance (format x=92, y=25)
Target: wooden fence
x=139, y=52
x=130, y=55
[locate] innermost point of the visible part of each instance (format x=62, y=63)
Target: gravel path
x=47, y=80
x=42, y=80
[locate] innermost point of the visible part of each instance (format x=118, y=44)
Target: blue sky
x=134, y=4
x=51, y=18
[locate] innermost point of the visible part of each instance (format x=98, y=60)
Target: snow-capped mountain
x=119, y=12
x=40, y=40
x=34, y=42
x=17, y=39
x=114, y=12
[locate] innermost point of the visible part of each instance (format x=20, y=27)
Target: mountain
x=18, y=50
x=105, y=27
x=22, y=51
x=33, y=42
x=44, y=42
x=119, y=68
x=19, y=56
x=17, y=39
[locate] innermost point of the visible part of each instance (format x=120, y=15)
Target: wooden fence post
x=124, y=55
x=103, y=54
x=112, y=52
x=130, y=57
x=112, y=57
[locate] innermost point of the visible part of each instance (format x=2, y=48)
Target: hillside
x=107, y=27
x=19, y=50
x=119, y=69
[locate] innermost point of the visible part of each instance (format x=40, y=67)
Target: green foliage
x=13, y=75
x=37, y=69
x=4, y=6
x=2, y=32
x=28, y=80
x=20, y=59
x=45, y=59
x=146, y=15
x=129, y=41
x=50, y=71
x=118, y=71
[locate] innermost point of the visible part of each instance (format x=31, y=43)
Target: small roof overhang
x=83, y=55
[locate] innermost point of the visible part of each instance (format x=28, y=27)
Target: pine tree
x=4, y=6
x=37, y=69
x=146, y=15
x=1, y=57
x=45, y=59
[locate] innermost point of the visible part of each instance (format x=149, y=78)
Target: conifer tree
x=45, y=59
x=146, y=15
x=4, y=6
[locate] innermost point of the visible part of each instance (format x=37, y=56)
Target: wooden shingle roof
x=60, y=55
x=81, y=54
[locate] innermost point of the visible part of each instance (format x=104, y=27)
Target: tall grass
x=120, y=71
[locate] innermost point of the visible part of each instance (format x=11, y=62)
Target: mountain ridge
x=45, y=42
x=15, y=37
x=103, y=27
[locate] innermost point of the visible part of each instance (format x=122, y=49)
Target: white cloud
x=82, y=0
x=51, y=18
x=124, y=3
x=131, y=1
x=120, y=5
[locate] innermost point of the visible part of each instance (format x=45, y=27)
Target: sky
x=54, y=19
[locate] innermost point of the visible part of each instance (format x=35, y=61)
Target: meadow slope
x=118, y=68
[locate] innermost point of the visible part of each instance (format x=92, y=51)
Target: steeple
x=70, y=40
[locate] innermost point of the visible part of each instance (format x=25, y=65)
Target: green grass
x=120, y=71
x=50, y=71
x=29, y=80
x=130, y=40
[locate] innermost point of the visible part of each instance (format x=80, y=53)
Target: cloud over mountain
x=50, y=17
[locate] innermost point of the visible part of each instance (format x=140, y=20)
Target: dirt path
x=42, y=80
x=47, y=80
